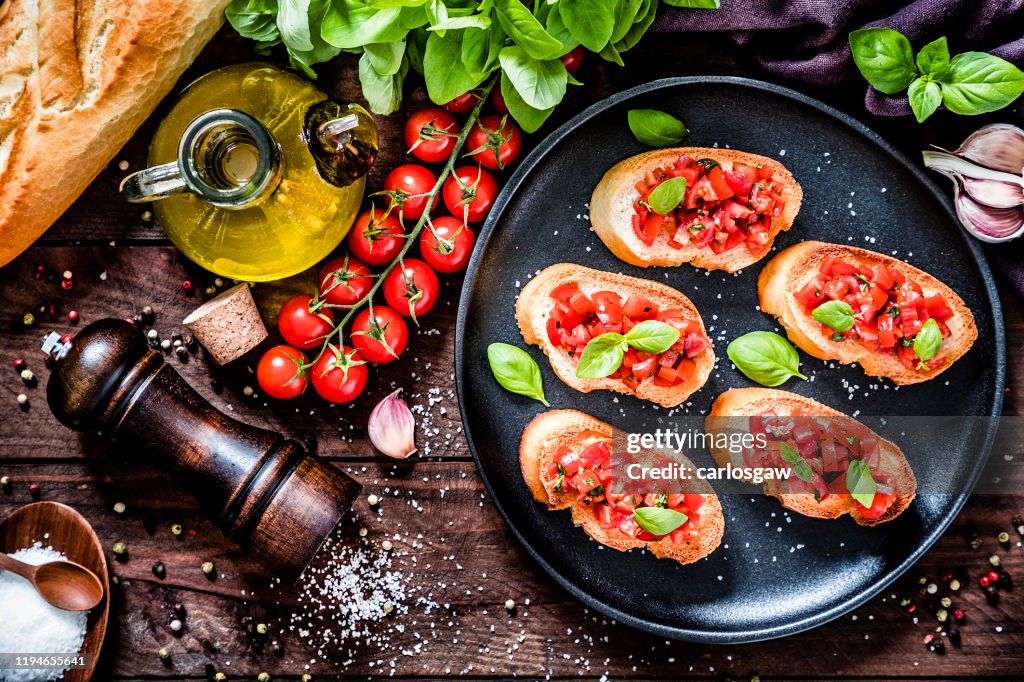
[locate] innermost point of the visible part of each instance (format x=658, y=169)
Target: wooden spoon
x=66, y=531
x=63, y=584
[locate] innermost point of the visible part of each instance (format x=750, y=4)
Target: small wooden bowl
x=72, y=535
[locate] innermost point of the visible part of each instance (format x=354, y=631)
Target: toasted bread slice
x=535, y=303
x=748, y=402
x=611, y=210
x=556, y=428
x=787, y=272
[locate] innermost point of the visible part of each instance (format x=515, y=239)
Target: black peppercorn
x=158, y=570
x=311, y=444
x=153, y=344
x=182, y=353
x=938, y=647
x=190, y=343
x=1005, y=582
x=991, y=595
x=216, y=386
x=954, y=635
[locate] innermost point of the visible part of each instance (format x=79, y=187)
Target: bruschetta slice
x=814, y=287
x=793, y=427
x=566, y=306
x=734, y=205
x=566, y=462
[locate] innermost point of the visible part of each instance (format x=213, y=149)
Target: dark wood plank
x=459, y=554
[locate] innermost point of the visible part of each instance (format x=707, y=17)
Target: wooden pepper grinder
x=264, y=492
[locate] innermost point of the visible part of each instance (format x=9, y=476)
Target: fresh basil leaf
x=925, y=97
x=928, y=341
x=528, y=118
x=386, y=58
x=977, y=83
x=667, y=196
x=644, y=19
x=348, y=26
x=557, y=30
x=293, y=23
x=601, y=356
x=884, y=57
x=625, y=15
x=610, y=54
x=933, y=59
x=476, y=52
x=589, y=21
x=383, y=92
x=254, y=21
x=860, y=482
x=836, y=315
x=656, y=128
x=525, y=31
x=481, y=21
x=695, y=4
x=542, y=84
x=765, y=357
x=800, y=466
x=652, y=336
x=659, y=520
x=516, y=371
x=443, y=70
x=415, y=44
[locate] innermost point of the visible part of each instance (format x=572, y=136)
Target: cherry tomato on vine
x=376, y=237
x=469, y=193
x=300, y=325
x=411, y=289
x=430, y=134
x=464, y=103
x=448, y=247
x=413, y=182
x=494, y=133
x=381, y=338
x=498, y=101
x=339, y=374
x=344, y=281
x=573, y=59
x=280, y=374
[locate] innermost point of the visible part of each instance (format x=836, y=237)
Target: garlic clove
x=392, y=427
x=993, y=225
x=993, y=193
x=999, y=146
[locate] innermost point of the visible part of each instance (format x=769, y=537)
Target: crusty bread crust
x=790, y=270
x=747, y=402
x=611, y=210
x=534, y=306
x=552, y=429
x=77, y=80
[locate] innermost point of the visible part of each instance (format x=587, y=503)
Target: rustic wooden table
x=449, y=542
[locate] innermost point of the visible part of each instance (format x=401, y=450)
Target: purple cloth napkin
x=806, y=40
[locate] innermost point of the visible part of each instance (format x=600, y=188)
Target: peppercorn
x=510, y=605
x=389, y=606
x=976, y=543
x=994, y=560
x=263, y=677
x=159, y=570
x=67, y=284
x=35, y=490
x=363, y=532
x=960, y=615
x=220, y=677
x=22, y=400
x=311, y=444
x=164, y=654
x=261, y=628
x=19, y=364
x=1005, y=582
x=187, y=285
x=983, y=581
x=73, y=316
x=147, y=313
x=1018, y=524
x=181, y=353
x=28, y=377
x=993, y=577
x=5, y=483
x=216, y=386
x=165, y=344
x=207, y=567
x=175, y=625
x=152, y=333
x=386, y=545
x=120, y=549
x=932, y=588
x=190, y=343
x=992, y=595
x=306, y=678
x=938, y=647
x=28, y=319
x=941, y=615
x=247, y=391
x=176, y=529
x=954, y=585
x=137, y=320
x=946, y=602
x=954, y=635
x=372, y=500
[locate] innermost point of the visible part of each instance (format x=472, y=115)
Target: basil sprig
x=765, y=357
x=837, y=315
x=927, y=343
x=800, y=466
x=603, y=354
x=656, y=128
x=969, y=83
x=516, y=371
x=860, y=482
x=659, y=520
x=666, y=196
x=456, y=45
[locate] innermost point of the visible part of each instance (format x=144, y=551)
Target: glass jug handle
x=153, y=183
x=343, y=140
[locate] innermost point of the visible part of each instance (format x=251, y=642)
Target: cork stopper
x=229, y=325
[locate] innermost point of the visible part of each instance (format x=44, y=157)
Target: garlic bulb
x=392, y=427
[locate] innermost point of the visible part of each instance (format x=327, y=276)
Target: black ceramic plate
x=773, y=575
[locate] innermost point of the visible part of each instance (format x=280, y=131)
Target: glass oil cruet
x=256, y=174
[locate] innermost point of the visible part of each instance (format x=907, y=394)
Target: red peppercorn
x=983, y=581
x=946, y=577
x=993, y=577
x=34, y=490
x=911, y=608
x=929, y=638
x=73, y=316
x=67, y=284
x=186, y=285
x=960, y=615
x=66, y=338
x=19, y=364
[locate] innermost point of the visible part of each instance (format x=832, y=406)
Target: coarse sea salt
x=30, y=625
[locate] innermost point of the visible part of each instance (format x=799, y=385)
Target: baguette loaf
x=550, y=431
x=534, y=307
x=790, y=270
x=748, y=402
x=611, y=211
x=77, y=80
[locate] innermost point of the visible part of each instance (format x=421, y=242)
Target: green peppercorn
x=28, y=320
x=207, y=567
x=164, y=654
x=946, y=602
x=941, y=615
x=994, y=560
x=1004, y=538
x=263, y=677
x=976, y=543
x=220, y=677
x=261, y=628
x=120, y=549
x=306, y=678
x=175, y=529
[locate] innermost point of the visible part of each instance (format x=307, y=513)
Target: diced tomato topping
x=563, y=292
x=889, y=309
